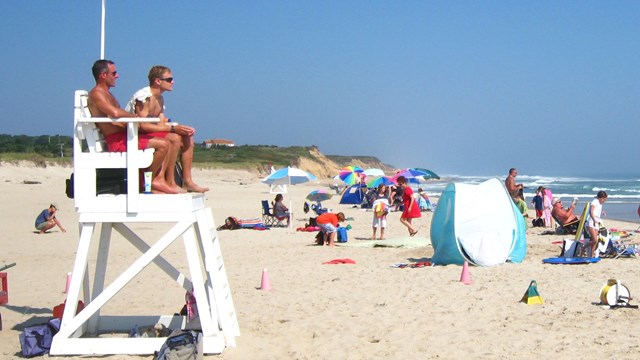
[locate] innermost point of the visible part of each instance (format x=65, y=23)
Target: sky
x=459, y=87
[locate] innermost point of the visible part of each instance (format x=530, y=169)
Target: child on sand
x=328, y=223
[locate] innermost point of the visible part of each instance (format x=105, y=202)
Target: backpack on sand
x=36, y=340
x=181, y=345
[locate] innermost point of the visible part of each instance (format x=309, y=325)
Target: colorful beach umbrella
x=289, y=176
x=319, y=195
x=350, y=175
x=410, y=173
x=380, y=180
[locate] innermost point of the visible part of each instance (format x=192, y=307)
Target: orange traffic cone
x=465, y=277
x=265, y=283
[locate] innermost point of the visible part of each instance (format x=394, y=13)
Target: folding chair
x=568, y=228
x=268, y=218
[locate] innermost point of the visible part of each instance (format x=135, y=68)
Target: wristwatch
x=173, y=128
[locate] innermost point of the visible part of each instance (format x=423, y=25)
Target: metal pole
x=102, y=31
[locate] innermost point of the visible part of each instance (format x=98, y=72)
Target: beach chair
x=615, y=247
x=268, y=218
x=568, y=228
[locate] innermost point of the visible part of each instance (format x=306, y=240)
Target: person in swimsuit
x=103, y=104
x=149, y=102
x=515, y=190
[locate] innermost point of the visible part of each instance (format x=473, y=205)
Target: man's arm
x=142, y=110
x=100, y=104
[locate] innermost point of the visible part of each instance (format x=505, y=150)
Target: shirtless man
x=103, y=104
x=563, y=215
x=510, y=183
x=148, y=102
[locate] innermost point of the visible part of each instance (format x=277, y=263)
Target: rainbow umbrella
x=381, y=180
x=350, y=175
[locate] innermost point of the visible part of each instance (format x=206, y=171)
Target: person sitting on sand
x=328, y=223
x=47, y=220
x=103, y=104
x=563, y=215
x=148, y=102
x=280, y=211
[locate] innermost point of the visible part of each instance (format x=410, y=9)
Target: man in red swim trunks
x=103, y=104
x=149, y=102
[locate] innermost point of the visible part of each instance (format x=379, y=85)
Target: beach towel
x=340, y=261
x=141, y=95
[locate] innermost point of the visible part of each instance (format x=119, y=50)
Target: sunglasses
x=169, y=79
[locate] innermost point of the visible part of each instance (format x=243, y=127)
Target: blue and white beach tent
x=479, y=224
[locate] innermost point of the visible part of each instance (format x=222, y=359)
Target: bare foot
x=193, y=187
x=64, y=230
x=161, y=187
x=373, y=237
x=381, y=238
x=178, y=189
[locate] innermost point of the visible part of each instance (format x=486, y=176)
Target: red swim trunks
x=117, y=142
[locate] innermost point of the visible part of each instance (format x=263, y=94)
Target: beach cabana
x=479, y=224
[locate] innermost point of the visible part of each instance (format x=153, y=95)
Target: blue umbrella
x=289, y=176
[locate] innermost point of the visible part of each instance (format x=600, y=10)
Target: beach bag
x=342, y=235
x=181, y=345
x=539, y=222
x=36, y=340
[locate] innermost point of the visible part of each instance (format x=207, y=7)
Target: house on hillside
x=208, y=144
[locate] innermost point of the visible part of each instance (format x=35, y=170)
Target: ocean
x=622, y=202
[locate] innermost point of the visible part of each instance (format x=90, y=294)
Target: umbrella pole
x=290, y=214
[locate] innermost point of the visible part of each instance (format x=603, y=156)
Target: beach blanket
x=340, y=261
x=404, y=242
x=250, y=223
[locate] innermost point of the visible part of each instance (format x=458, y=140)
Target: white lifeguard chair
x=84, y=333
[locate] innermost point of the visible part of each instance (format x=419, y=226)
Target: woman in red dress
x=411, y=208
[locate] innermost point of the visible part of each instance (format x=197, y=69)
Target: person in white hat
x=563, y=215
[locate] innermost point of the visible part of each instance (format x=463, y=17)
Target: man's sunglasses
x=169, y=79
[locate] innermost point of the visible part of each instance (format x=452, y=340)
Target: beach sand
x=369, y=310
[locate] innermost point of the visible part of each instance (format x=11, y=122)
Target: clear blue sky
x=459, y=87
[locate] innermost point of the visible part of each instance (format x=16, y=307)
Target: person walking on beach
x=103, y=104
x=593, y=221
x=328, y=223
x=47, y=220
x=149, y=102
x=515, y=190
x=411, y=208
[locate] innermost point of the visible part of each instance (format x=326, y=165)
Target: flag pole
x=102, y=30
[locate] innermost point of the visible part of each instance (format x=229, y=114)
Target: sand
x=369, y=310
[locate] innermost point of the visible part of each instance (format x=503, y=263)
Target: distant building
x=217, y=142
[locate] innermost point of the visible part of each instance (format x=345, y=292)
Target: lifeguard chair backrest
x=88, y=132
